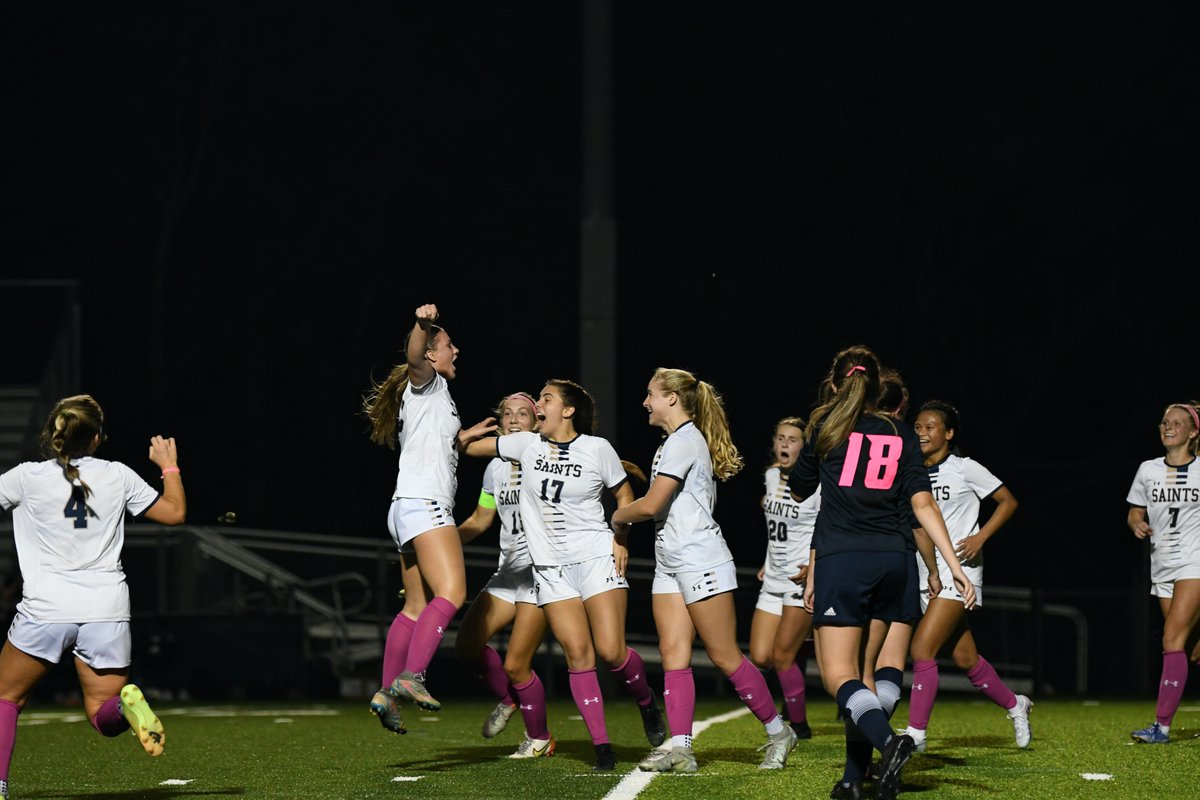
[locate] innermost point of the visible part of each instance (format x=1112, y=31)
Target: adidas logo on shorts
x=829, y=612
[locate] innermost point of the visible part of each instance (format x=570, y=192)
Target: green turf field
x=339, y=750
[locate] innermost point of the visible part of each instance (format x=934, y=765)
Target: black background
x=255, y=199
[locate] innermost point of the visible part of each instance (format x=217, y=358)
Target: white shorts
x=409, y=517
x=1162, y=580
x=100, y=645
x=950, y=592
x=583, y=580
x=697, y=585
x=513, y=585
x=773, y=602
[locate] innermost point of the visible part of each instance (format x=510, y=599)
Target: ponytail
x=70, y=430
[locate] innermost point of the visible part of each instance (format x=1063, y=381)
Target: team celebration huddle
x=873, y=548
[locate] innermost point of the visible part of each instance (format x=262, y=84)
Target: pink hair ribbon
x=861, y=368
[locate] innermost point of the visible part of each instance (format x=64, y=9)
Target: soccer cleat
x=896, y=753
x=802, y=730
x=1152, y=735
x=3, y=790
x=778, y=747
x=606, y=759
x=141, y=718
x=846, y=791
x=1019, y=714
x=410, y=686
x=652, y=722
x=918, y=737
x=497, y=721
x=386, y=706
x=677, y=759
x=535, y=748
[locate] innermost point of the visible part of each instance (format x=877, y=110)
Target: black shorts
x=855, y=587
x=912, y=593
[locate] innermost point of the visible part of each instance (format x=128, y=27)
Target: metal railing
x=346, y=589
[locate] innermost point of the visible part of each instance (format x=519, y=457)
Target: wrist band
x=168, y=469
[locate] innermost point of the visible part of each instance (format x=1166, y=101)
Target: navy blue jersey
x=867, y=484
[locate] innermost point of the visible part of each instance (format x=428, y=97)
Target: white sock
x=774, y=726
x=682, y=741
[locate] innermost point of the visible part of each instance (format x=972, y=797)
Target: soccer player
x=578, y=563
x=1164, y=507
x=959, y=483
x=507, y=598
x=870, y=471
x=69, y=528
x=781, y=623
x=694, y=573
x=412, y=409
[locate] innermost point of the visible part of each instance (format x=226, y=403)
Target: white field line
x=636, y=780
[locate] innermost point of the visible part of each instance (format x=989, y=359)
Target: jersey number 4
x=78, y=509
x=883, y=460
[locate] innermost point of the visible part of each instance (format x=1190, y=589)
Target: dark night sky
x=256, y=199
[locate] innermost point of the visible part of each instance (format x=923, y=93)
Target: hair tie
x=859, y=368
x=1191, y=411
x=526, y=398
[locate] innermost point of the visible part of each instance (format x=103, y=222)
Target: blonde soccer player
x=1164, y=507
x=694, y=573
x=69, y=527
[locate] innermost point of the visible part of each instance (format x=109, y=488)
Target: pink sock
x=532, y=697
x=427, y=634
x=984, y=678
x=585, y=688
x=490, y=669
x=109, y=720
x=8, y=734
x=634, y=673
x=751, y=686
x=679, y=697
x=791, y=683
x=395, y=649
x=1170, y=687
x=923, y=694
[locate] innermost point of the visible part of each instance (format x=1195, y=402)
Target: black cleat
x=846, y=791
x=652, y=721
x=802, y=730
x=896, y=753
x=606, y=759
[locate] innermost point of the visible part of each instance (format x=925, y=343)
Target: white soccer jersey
x=789, y=531
x=958, y=484
x=1171, y=497
x=562, y=483
x=70, y=550
x=686, y=537
x=502, y=480
x=428, y=440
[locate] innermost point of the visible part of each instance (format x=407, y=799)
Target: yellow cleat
x=146, y=725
